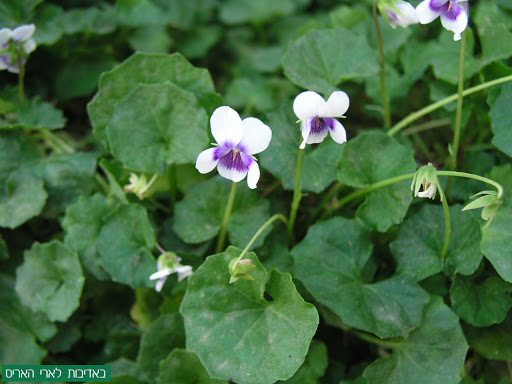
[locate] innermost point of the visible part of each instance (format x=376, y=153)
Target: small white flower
x=11, y=41
x=166, y=267
x=429, y=193
x=237, y=141
x=317, y=116
x=405, y=17
x=454, y=14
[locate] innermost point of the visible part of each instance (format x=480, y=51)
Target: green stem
x=368, y=189
x=55, y=143
x=172, y=183
x=277, y=216
x=384, y=96
x=225, y=220
x=297, y=195
x=332, y=192
x=474, y=177
x=21, y=78
x=426, y=126
x=441, y=103
x=375, y=340
x=458, y=113
x=447, y=224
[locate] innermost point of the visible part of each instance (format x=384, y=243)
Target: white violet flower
x=405, y=16
x=10, y=44
x=454, y=14
x=167, y=264
x=237, y=141
x=317, y=116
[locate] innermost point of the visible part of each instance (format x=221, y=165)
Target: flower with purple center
x=404, y=15
x=167, y=264
x=237, y=141
x=14, y=44
x=317, y=116
x=453, y=13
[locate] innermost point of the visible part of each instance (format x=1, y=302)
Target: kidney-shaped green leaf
x=157, y=125
x=143, y=68
x=236, y=332
x=124, y=244
x=330, y=261
x=502, y=120
x=50, y=280
x=417, y=248
x=434, y=353
x=321, y=59
x=372, y=157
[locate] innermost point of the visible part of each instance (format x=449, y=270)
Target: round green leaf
x=143, y=68
x=157, y=125
x=496, y=240
x=321, y=59
x=481, y=303
x=280, y=158
x=183, y=367
x=82, y=223
x=372, y=157
x=165, y=334
x=198, y=217
x=417, y=248
x=434, y=353
x=330, y=262
x=21, y=198
x=124, y=243
x=50, y=280
x=236, y=332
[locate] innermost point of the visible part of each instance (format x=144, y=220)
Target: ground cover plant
x=308, y=191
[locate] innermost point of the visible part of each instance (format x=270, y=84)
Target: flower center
x=450, y=5
x=235, y=153
x=319, y=124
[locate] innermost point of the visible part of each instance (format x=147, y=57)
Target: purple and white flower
x=13, y=43
x=237, y=141
x=405, y=16
x=454, y=14
x=317, y=116
x=167, y=269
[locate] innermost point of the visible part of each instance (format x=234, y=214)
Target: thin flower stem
x=375, y=340
x=356, y=194
x=474, y=177
x=21, y=79
x=55, y=143
x=225, y=220
x=297, y=195
x=447, y=224
x=384, y=96
x=332, y=192
x=458, y=113
x=277, y=216
x=426, y=126
x=441, y=103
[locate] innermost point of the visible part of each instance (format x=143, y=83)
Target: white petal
x=29, y=46
x=232, y=174
x=256, y=136
x=306, y=129
x=205, y=162
x=425, y=13
x=5, y=35
x=23, y=32
x=307, y=105
x=160, y=274
x=457, y=26
x=337, y=105
x=226, y=126
x=338, y=133
x=315, y=138
x=159, y=285
x=253, y=175
x=184, y=272
x=408, y=15
x=4, y=60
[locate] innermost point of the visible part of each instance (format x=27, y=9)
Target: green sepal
x=483, y=201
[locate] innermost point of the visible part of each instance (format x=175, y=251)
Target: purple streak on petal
x=320, y=124
x=220, y=152
x=393, y=19
x=454, y=12
x=438, y=5
x=246, y=159
x=233, y=160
